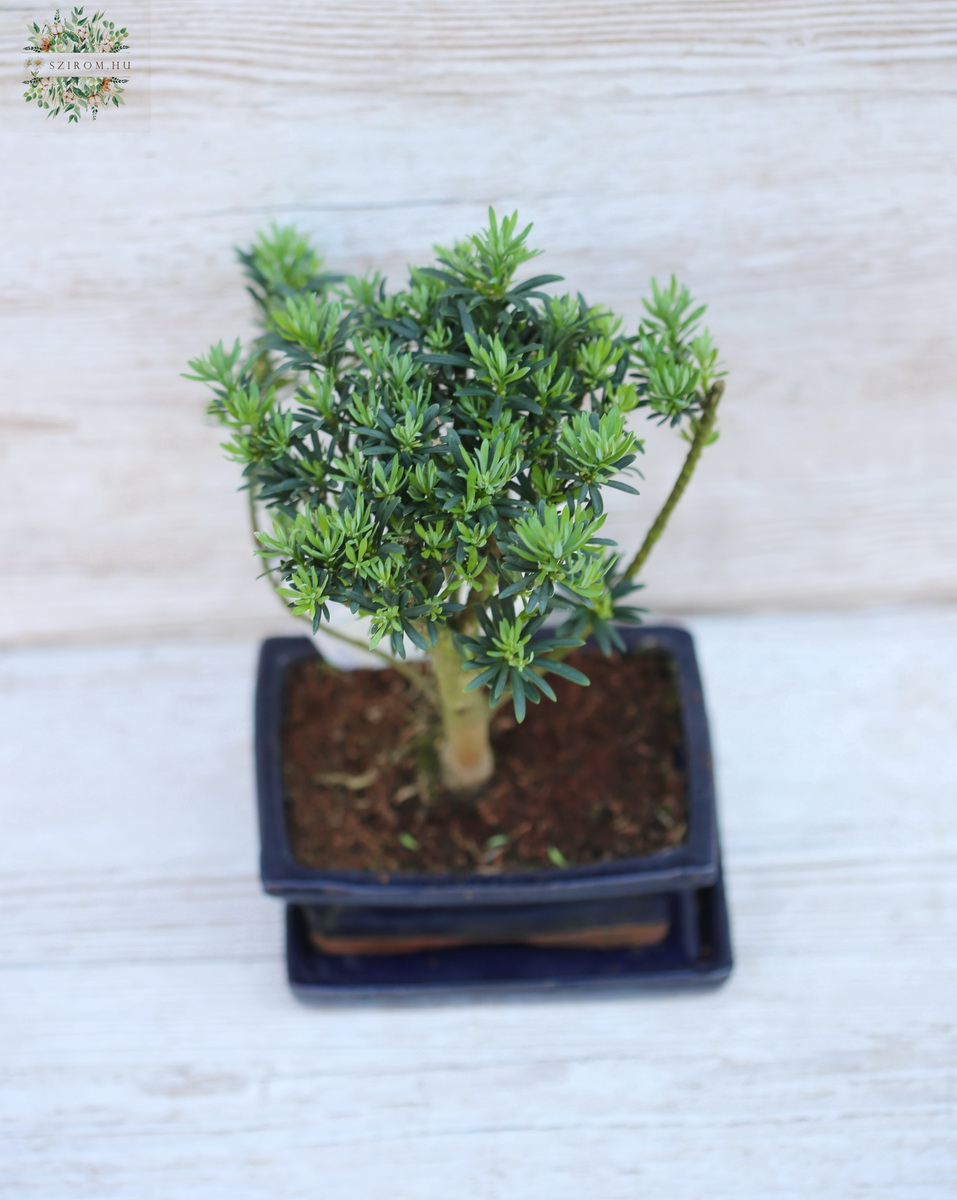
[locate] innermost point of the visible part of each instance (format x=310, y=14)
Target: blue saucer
x=695, y=953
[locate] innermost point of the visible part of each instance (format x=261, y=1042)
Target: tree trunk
x=465, y=752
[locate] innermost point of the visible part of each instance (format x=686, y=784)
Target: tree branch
x=709, y=411
x=421, y=682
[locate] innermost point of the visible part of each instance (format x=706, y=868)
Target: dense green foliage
x=436, y=455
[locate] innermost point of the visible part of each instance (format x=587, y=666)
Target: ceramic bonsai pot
x=651, y=921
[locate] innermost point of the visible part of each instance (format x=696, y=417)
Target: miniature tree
x=434, y=458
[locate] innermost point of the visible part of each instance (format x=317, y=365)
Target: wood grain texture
x=148, y=1043
x=793, y=162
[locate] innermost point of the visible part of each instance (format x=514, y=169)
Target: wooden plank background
x=792, y=161
x=149, y=1046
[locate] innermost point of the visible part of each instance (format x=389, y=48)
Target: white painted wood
x=793, y=162
x=148, y=1044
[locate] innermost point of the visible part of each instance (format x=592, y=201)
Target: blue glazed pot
x=570, y=924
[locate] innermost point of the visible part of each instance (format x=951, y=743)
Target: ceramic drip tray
x=680, y=940
x=635, y=921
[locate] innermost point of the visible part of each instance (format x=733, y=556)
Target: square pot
x=658, y=919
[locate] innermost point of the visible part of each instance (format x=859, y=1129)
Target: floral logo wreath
x=76, y=34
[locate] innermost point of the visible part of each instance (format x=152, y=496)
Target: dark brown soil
x=595, y=777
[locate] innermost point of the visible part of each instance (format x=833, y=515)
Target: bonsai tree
x=435, y=457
